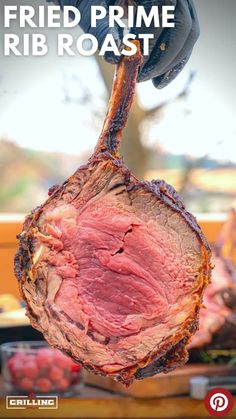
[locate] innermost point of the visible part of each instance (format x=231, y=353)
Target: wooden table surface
x=94, y=403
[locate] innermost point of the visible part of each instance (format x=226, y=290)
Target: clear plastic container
x=36, y=368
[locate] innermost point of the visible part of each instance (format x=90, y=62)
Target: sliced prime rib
x=112, y=268
x=217, y=327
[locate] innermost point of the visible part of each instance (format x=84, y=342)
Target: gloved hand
x=170, y=49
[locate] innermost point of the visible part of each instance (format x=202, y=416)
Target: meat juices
x=113, y=269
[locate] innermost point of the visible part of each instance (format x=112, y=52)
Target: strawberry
x=63, y=360
x=31, y=370
x=26, y=384
x=62, y=385
x=55, y=373
x=17, y=368
x=75, y=367
x=44, y=358
x=44, y=385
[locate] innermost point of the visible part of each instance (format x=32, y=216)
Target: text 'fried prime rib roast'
x=113, y=269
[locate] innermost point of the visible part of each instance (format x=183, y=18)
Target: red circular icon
x=219, y=402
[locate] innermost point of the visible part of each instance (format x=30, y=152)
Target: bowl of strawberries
x=36, y=368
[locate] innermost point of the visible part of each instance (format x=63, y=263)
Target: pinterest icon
x=219, y=402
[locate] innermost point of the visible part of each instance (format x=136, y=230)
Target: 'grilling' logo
x=27, y=402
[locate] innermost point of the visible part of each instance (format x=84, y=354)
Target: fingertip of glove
x=160, y=82
x=111, y=58
x=144, y=75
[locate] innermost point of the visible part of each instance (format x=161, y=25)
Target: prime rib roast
x=112, y=268
x=217, y=327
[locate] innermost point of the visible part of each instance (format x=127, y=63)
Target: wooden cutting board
x=162, y=385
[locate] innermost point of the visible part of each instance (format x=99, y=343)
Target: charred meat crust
x=162, y=190
x=176, y=356
x=172, y=353
x=105, y=174
x=121, y=100
x=168, y=195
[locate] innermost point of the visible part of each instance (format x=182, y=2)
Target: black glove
x=172, y=47
x=102, y=27
x=169, y=50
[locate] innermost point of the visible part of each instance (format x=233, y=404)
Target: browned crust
x=167, y=194
x=172, y=351
x=120, y=103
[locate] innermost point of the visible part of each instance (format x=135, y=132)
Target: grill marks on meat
x=113, y=269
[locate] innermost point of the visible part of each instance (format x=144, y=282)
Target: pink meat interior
x=120, y=274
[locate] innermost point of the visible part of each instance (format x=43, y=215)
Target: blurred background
x=52, y=109
x=51, y=112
